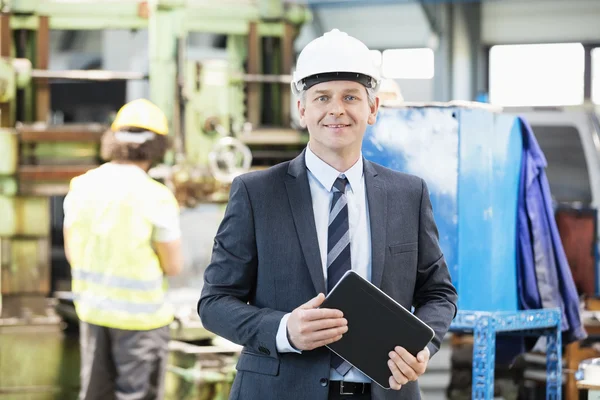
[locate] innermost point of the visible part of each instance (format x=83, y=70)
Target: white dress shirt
x=321, y=177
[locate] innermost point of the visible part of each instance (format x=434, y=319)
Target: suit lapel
x=298, y=191
x=378, y=216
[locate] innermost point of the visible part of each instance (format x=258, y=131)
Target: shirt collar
x=326, y=174
x=123, y=168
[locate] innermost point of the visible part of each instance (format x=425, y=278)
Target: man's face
x=336, y=114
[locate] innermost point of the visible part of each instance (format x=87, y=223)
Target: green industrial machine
x=225, y=114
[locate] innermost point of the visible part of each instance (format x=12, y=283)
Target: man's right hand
x=309, y=327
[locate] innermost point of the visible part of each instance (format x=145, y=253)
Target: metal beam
x=84, y=15
x=37, y=173
x=163, y=32
x=42, y=58
x=429, y=11
x=368, y=3
x=287, y=61
x=61, y=133
x=5, y=51
x=587, y=76
x=253, y=98
x=88, y=75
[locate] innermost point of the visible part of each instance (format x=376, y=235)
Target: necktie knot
x=340, y=185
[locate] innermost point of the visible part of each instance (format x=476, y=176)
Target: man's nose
x=337, y=108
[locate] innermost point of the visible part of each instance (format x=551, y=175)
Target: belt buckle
x=343, y=392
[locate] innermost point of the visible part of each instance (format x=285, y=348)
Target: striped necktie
x=338, y=250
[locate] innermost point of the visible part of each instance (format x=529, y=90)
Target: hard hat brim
x=313, y=80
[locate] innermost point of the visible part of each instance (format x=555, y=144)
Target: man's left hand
x=405, y=367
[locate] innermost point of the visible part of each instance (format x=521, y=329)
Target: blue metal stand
x=485, y=326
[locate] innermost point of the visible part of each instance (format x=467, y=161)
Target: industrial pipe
x=87, y=75
x=252, y=78
x=25, y=73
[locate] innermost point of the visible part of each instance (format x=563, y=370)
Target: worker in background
x=389, y=93
x=291, y=231
x=122, y=236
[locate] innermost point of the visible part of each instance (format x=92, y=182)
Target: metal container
x=470, y=158
x=38, y=361
x=200, y=372
x=24, y=266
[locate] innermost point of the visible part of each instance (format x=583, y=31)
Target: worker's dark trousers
x=119, y=364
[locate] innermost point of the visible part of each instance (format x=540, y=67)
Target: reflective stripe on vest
x=104, y=304
x=116, y=281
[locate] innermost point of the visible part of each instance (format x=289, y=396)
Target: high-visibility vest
x=117, y=280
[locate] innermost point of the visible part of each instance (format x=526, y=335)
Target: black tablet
x=376, y=325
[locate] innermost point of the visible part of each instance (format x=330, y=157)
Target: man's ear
x=301, y=112
x=373, y=115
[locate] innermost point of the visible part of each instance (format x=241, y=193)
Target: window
x=537, y=74
x=405, y=63
x=408, y=63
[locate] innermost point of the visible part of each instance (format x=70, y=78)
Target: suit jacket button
x=264, y=350
x=324, y=382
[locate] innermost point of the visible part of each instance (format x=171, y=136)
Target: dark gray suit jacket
x=266, y=262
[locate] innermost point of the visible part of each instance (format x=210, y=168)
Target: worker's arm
x=66, y=240
x=166, y=237
x=69, y=216
x=169, y=255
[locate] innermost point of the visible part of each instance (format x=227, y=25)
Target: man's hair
x=152, y=150
x=371, y=95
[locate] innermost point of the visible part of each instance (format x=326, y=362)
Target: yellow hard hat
x=141, y=113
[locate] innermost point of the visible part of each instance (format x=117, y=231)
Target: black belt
x=349, y=387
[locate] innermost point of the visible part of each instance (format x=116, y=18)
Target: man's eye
x=322, y=98
x=350, y=98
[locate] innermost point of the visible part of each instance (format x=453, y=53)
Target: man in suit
x=291, y=231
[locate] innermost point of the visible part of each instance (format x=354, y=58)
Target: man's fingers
x=314, y=302
x=326, y=334
x=423, y=355
x=398, y=376
x=416, y=367
x=407, y=371
x=321, y=324
x=394, y=385
x=321, y=313
x=406, y=356
x=326, y=342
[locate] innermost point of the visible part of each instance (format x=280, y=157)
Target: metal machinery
x=217, y=118
x=470, y=156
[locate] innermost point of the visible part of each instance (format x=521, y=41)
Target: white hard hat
x=335, y=56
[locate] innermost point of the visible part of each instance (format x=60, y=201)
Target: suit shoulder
x=401, y=179
x=264, y=176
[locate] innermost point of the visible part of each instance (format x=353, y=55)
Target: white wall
x=539, y=21
x=420, y=90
